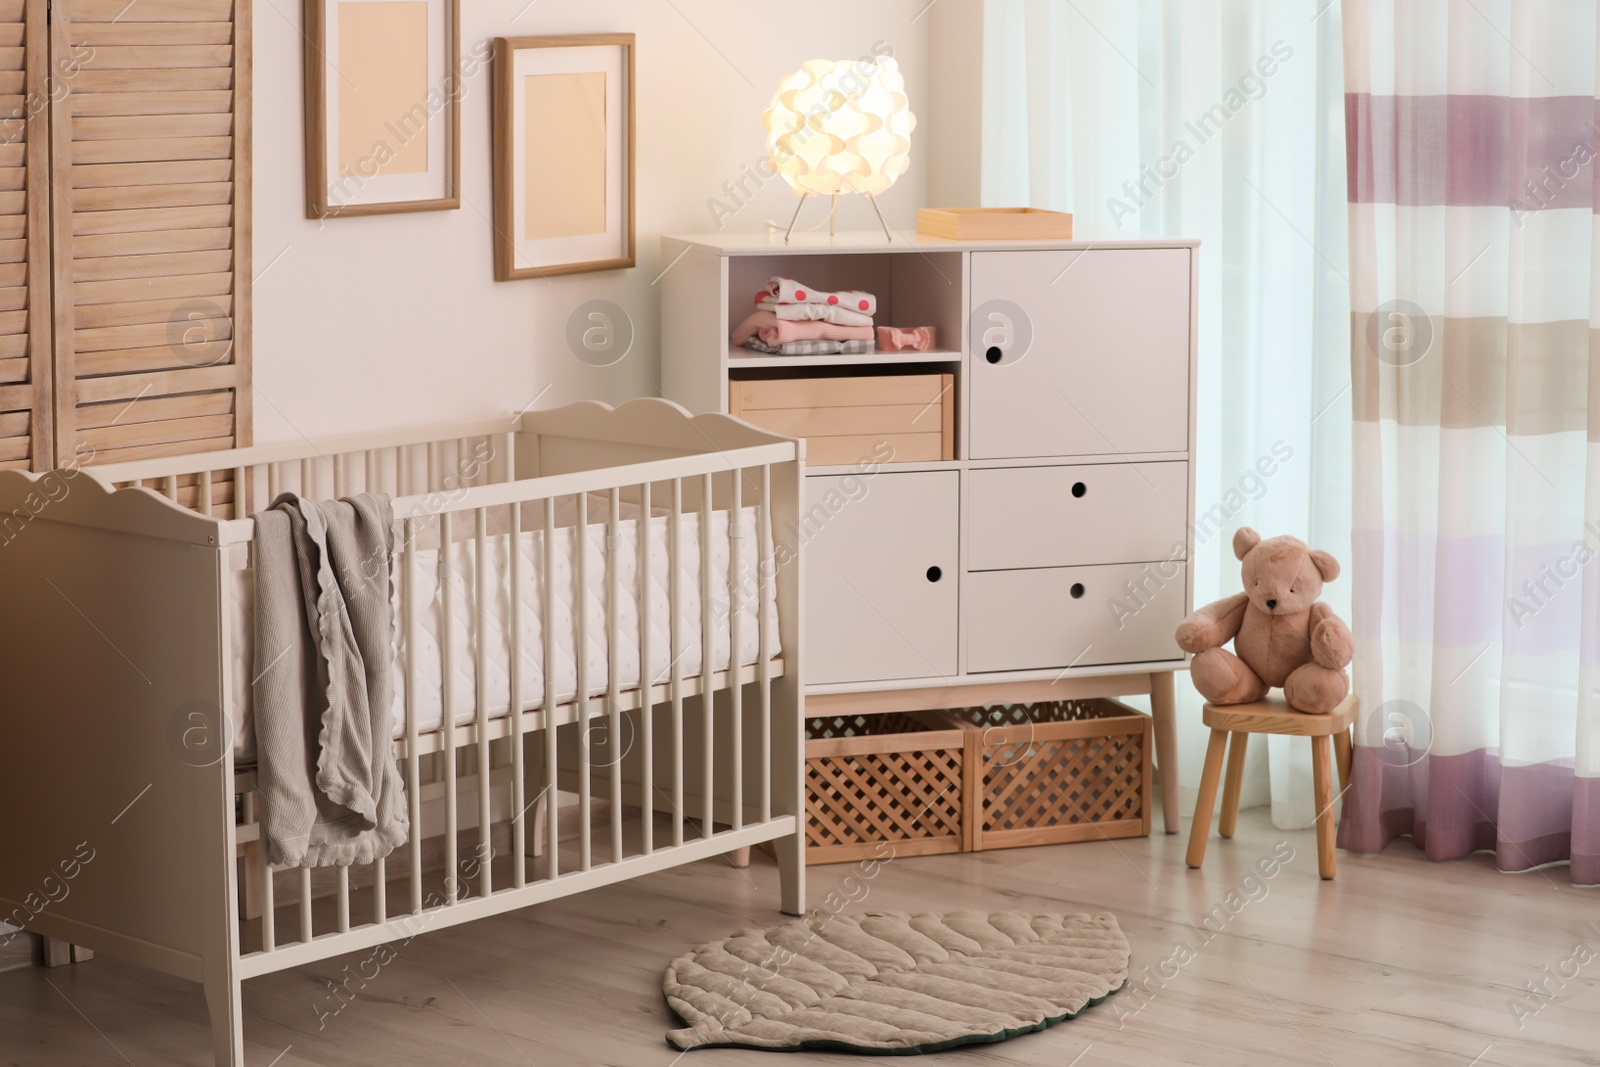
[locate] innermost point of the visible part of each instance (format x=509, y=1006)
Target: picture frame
x=382, y=106
x=572, y=210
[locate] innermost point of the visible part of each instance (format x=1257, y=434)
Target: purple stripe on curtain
x=1468, y=605
x=1455, y=805
x=1526, y=153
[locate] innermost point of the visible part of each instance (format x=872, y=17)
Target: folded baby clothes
x=835, y=313
x=789, y=291
x=775, y=331
x=811, y=348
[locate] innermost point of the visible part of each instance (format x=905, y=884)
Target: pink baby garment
x=835, y=313
x=775, y=331
x=789, y=291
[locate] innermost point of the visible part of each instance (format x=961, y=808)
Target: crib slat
x=433, y=467
x=511, y=455
x=736, y=542
x=369, y=483
x=205, y=492
x=764, y=576
x=582, y=645
x=241, y=498
x=519, y=792
x=274, y=482
x=481, y=547
x=614, y=670
x=547, y=607
x=647, y=751
x=447, y=747
x=708, y=697
x=380, y=891
x=675, y=647
x=408, y=611
x=308, y=478
x=169, y=487
x=305, y=905
x=344, y=900
x=269, y=908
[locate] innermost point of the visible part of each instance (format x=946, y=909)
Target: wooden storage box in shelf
x=846, y=419
x=1045, y=774
x=884, y=786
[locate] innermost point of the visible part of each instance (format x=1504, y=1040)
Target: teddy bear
x=1282, y=635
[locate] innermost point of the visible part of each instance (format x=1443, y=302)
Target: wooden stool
x=1271, y=716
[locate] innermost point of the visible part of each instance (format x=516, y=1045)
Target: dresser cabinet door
x=1079, y=353
x=881, y=576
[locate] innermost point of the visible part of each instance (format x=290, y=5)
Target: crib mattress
x=472, y=623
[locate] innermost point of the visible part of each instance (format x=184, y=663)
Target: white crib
x=122, y=657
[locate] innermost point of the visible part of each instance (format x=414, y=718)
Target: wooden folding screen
x=150, y=165
x=25, y=394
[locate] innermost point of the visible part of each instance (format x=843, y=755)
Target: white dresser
x=1048, y=560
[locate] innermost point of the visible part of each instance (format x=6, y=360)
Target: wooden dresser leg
x=1322, y=780
x=56, y=953
x=1164, y=711
x=1200, y=826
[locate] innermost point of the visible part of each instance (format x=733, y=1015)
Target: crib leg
x=791, y=852
x=740, y=857
x=227, y=1014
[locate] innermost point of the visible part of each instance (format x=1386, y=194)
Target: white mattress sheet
x=471, y=622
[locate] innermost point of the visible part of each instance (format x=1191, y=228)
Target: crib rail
x=689, y=758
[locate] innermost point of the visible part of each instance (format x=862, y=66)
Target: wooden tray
x=994, y=223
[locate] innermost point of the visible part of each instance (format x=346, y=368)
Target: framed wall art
x=383, y=106
x=563, y=154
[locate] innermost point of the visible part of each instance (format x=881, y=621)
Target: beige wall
x=389, y=320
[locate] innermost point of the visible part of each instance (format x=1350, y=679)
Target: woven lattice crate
x=1046, y=774
x=879, y=786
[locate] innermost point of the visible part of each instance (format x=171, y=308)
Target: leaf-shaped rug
x=891, y=982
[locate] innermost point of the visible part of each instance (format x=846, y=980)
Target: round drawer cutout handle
x=934, y=574
x=1078, y=489
x=994, y=354
x=1077, y=590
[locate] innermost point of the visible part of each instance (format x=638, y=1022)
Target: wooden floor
x=1399, y=961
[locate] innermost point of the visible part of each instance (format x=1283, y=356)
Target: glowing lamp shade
x=841, y=127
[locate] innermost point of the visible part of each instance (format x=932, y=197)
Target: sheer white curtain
x=1222, y=120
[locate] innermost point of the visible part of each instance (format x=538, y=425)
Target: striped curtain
x=1473, y=146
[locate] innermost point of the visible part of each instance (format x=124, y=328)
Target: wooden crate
x=994, y=223
x=846, y=419
x=1046, y=774
x=879, y=786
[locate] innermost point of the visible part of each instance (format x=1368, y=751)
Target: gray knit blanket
x=329, y=785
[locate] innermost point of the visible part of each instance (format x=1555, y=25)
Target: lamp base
x=832, y=212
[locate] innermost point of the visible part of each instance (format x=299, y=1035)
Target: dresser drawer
x=1070, y=516
x=1030, y=619
x=851, y=419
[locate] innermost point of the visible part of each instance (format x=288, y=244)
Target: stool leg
x=1321, y=777
x=1231, y=784
x=1200, y=828
x=1341, y=749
